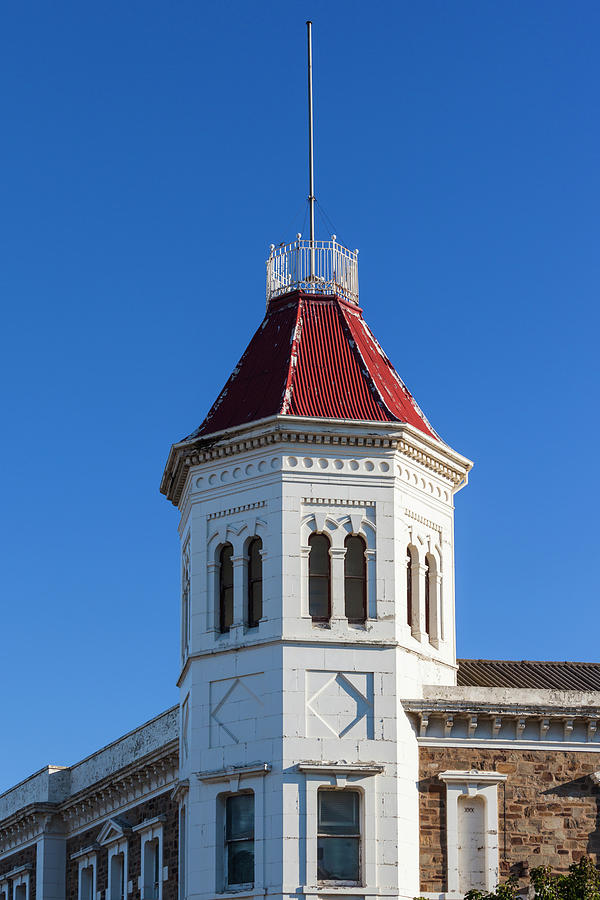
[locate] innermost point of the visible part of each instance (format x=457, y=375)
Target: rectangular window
x=338, y=836
x=21, y=892
x=239, y=840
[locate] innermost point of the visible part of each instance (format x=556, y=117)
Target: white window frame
x=361, y=832
x=472, y=784
x=4, y=890
x=114, y=849
x=247, y=887
x=152, y=830
x=216, y=786
x=21, y=880
x=357, y=778
x=87, y=860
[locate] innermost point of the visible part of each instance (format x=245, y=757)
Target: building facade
x=327, y=741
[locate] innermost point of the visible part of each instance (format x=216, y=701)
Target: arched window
x=319, y=578
x=254, y=582
x=409, y=587
x=427, y=596
x=355, y=579
x=226, y=588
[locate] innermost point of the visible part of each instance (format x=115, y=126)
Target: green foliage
x=582, y=883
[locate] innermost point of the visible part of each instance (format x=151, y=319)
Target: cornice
x=433, y=455
x=155, y=772
x=151, y=774
x=470, y=717
x=25, y=825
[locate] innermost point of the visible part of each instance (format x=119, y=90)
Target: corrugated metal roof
x=313, y=356
x=561, y=676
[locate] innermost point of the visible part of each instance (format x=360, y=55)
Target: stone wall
x=161, y=805
x=549, y=808
x=22, y=858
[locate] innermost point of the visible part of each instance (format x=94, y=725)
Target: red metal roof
x=313, y=355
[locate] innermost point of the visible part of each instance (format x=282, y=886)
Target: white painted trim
x=21, y=880
x=475, y=775
x=114, y=849
x=215, y=794
x=132, y=804
x=234, y=772
x=90, y=850
x=336, y=776
x=151, y=830
x=148, y=824
x=567, y=746
x=87, y=860
x=340, y=769
x=473, y=784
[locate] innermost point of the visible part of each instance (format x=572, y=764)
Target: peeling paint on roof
x=313, y=355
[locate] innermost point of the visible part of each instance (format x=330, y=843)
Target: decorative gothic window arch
x=225, y=587
x=337, y=526
x=319, y=577
x=412, y=571
x=238, y=536
x=254, y=581
x=432, y=612
x=355, y=579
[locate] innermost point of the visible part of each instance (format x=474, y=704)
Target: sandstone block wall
x=549, y=808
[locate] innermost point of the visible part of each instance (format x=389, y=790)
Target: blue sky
x=150, y=154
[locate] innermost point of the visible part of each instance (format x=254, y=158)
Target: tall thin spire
x=311, y=174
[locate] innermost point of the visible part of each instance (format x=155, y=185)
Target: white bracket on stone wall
x=567, y=729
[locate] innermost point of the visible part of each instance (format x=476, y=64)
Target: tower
x=317, y=592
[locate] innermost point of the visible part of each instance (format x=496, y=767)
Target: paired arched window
x=254, y=559
x=319, y=578
x=355, y=579
x=253, y=600
x=225, y=588
x=421, y=595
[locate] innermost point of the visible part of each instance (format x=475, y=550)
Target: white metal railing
x=320, y=267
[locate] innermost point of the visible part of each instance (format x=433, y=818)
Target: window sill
x=242, y=891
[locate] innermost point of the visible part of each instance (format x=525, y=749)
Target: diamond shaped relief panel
x=235, y=706
x=339, y=704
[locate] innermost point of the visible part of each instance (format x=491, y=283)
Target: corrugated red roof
x=313, y=356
